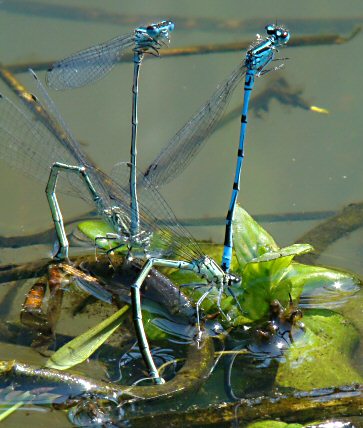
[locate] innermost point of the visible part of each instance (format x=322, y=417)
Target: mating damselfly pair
x=129, y=202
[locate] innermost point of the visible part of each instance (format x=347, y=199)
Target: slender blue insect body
x=188, y=141
x=146, y=39
x=36, y=149
x=133, y=149
x=24, y=142
x=93, y=63
x=257, y=59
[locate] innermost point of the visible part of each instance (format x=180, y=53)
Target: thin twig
x=298, y=41
x=293, y=407
x=349, y=219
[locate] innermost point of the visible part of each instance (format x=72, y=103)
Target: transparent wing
x=30, y=146
x=55, y=123
x=27, y=145
x=156, y=216
x=187, y=142
x=88, y=65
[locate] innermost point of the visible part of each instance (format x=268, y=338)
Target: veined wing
x=89, y=64
x=187, y=142
x=156, y=216
x=27, y=145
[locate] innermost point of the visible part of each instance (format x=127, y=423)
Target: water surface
x=296, y=161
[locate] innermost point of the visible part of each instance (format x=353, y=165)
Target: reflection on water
x=295, y=161
x=328, y=296
x=287, y=349
x=289, y=167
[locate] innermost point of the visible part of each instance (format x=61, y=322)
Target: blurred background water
x=295, y=160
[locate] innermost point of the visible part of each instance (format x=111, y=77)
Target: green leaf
x=151, y=311
x=268, y=273
x=273, y=424
x=98, y=228
x=153, y=332
x=6, y=409
x=264, y=280
x=263, y=265
x=262, y=284
x=94, y=228
x=292, y=250
x=250, y=239
x=80, y=348
x=322, y=285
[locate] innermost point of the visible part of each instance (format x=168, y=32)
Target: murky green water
x=296, y=161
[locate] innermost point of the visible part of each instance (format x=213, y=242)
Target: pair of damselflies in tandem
x=93, y=63
x=34, y=148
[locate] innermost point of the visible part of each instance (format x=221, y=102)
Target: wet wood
x=212, y=48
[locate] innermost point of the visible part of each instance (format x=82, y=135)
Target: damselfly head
x=160, y=29
x=279, y=33
x=233, y=279
x=169, y=25
x=207, y=268
x=114, y=215
x=219, y=276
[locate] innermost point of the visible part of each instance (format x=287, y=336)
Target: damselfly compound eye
x=171, y=25
x=270, y=29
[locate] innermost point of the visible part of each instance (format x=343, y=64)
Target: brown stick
x=300, y=408
x=318, y=40
x=349, y=219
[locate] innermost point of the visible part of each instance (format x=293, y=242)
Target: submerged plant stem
x=197, y=367
x=194, y=372
x=349, y=219
x=302, y=407
x=46, y=236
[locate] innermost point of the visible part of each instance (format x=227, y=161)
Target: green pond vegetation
x=287, y=327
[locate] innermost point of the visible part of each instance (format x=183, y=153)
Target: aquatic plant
x=283, y=329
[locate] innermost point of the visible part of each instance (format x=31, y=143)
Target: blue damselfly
x=187, y=142
x=93, y=63
x=35, y=149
